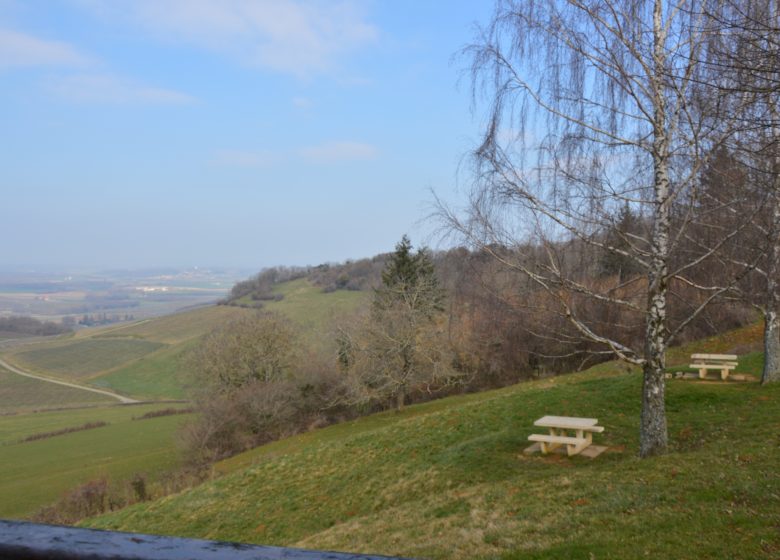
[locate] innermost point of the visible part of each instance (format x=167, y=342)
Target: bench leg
x=576, y=449
x=550, y=446
x=724, y=374
x=587, y=439
x=702, y=373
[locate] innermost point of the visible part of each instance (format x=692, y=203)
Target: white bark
x=771, y=372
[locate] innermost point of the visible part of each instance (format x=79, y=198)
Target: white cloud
x=332, y=152
x=107, y=88
x=291, y=36
x=21, y=50
x=244, y=158
x=302, y=102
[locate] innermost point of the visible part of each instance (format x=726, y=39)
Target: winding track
x=120, y=398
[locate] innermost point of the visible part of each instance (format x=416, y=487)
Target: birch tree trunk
x=772, y=308
x=653, y=434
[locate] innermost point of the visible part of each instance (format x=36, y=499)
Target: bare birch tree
x=747, y=62
x=598, y=105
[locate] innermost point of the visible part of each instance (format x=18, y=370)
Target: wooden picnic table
x=559, y=427
x=723, y=363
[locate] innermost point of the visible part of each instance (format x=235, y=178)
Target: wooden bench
x=558, y=426
x=723, y=363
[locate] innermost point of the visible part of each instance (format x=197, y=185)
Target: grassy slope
x=179, y=327
x=447, y=479
x=23, y=394
x=142, y=359
x=159, y=375
x=312, y=309
x=78, y=360
x=36, y=473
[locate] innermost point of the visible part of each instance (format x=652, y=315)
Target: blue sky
x=227, y=132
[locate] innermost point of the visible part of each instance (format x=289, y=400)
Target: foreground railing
x=31, y=541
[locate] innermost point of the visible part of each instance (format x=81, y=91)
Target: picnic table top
x=570, y=422
x=730, y=357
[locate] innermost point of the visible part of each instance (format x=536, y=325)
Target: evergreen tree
x=403, y=346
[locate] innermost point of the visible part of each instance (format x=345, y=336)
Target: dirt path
x=120, y=398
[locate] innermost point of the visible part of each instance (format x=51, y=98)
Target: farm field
x=175, y=328
x=36, y=473
x=140, y=360
x=448, y=479
x=23, y=394
x=159, y=375
x=143, y=360
x=78, y=360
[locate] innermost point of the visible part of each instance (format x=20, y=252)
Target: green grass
x=19, y=394
x=84, y=358
x=160, y=375
x=314, y=310
x=448, y=479
x=36, y=473
x=143, y=360
x=179, y=327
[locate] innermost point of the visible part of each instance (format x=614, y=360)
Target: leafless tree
x=259, y=346
x=746, y=59
x=598, y=106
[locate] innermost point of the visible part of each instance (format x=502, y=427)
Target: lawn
x=36, y=473
x=448, y=479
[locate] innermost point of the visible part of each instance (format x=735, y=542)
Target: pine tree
x=402, y=347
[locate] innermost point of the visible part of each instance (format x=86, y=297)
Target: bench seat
x=549, y=442
x=563, y=440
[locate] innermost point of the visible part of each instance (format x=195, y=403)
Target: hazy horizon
x=238, y=134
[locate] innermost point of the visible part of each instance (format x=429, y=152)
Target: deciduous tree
x=597, y=106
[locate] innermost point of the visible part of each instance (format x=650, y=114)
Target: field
x=36, y=473
x=82, y=359
x=308, y=306
x=19, y=394
x=448, y=479
x=141, y=360
x=176, y=328
x=160, y=375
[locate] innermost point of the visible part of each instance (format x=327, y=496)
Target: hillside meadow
x=448, y=479
x=20, y=394
x=36, y=473
x=143, y=360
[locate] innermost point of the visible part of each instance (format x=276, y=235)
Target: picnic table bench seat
x=549, y=442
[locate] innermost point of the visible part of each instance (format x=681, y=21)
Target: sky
x=240, y=133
